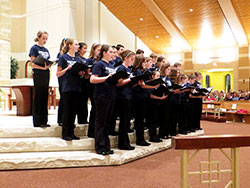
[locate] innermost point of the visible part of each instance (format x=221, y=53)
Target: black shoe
x=182, y=132
x=67, y=138
x=164, y=137
x=74, y=137
x=145, y=128
x=110, y=152
x=188, y=131
x=192, y=130
x=102, y=152
x=126, y=147
x=83, y=122
x=199, y=129
x=47, y=125
x=156, y=140
x=113, y=133
x=174, y=134
x=143, y=143
x=130, y=130
x=60, y=124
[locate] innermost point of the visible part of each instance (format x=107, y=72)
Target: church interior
x=209, y=37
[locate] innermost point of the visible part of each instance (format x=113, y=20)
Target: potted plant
x=14, y=67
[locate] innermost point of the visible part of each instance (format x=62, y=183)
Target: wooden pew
x=231, y=108
x=211, y=107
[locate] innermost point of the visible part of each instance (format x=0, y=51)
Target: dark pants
x=40, y=102
x=60, y=106
x=113, y=118
x=152, y=120
x=165, y=118
x=70, y=102
x=124, y=114
x=140, y=108
x=82, y=113
x=92, y=115
x=173, y=118
x=197, y=114
x=104, y=108
x=183, y=116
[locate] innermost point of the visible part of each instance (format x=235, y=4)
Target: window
x=228, y=82
x=207, y=81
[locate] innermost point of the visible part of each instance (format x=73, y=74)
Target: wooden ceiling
x=204, y=27
x=242, y=8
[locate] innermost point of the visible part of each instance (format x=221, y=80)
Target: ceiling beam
x=167, y=24
x=234, y=22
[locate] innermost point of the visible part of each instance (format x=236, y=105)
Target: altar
x=23, y=89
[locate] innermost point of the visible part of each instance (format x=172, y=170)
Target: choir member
x=104, y=96
x=82, y=114
x=60, y=106
x=71, y=88
x=41, y=76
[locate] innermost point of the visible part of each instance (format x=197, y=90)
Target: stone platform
x=25, y=147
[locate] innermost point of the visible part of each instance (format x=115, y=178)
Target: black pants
x=197, y=114
x=124, y=109
x=164, y=119
x=70, y=102
x=104, y=108
x=140, y=109
x=92, y=115
x=40, y=102
x=184, y=113
x=60, y=106
x=152, y=119
x=82, y=113
x=114, y=117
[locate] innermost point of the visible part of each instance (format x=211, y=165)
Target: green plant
x=14, y=67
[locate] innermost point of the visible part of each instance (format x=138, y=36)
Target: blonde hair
x=66, y=47
x=164, y=66
x=148, y=59
x=39, y=34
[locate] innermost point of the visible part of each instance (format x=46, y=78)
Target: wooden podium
x=23, y=89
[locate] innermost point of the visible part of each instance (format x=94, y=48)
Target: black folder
x=162, y=90
x=76, y=68
x=155, y=82
x=39, y=60
x=198, y=94
x=187, y=88
x=118, y=75
x=145, y=76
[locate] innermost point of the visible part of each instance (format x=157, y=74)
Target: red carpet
x=161, y=170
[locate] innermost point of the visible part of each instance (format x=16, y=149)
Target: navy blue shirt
x=38, y=50
x=125, y=91
x=90, y=61
x=69, y=81
x=138, y=91
x=104, y=89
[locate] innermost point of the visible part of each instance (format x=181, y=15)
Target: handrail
x=213, y=141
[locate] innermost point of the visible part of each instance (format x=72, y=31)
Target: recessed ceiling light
x=141, y=19
x=157, y=36
x=191, y=10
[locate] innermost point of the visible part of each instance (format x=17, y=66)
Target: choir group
x=121, y=85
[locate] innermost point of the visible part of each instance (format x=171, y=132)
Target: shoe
x=145, y=128
x=174, y=134
x=74, y=137
x=156, y=140
x=199, y=129
x=113, y=133
x=143, y=143
x=130, y=130
x=192, y=130
x=183, y=132
x=47, y=125
x=67, y=138
x=102, y=152
x=126, y=148
x=110, y=152
x=60, y=124
x=83, y=122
